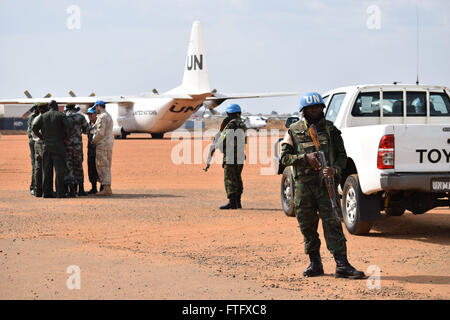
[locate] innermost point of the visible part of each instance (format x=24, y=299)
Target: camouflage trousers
x=74, y=163
x=38, y=153
x=103, y=159
x=33, y=182
x=233, y=180
x=312, y=202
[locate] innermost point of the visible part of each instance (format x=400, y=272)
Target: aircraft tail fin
x=195, y=78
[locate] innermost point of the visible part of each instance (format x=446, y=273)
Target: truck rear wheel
x=288, y=192
x=355, y=203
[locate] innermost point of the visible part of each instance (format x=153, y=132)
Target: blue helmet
x=311, y=99
x=99, y=103
x=91, y=110
x=233, y=108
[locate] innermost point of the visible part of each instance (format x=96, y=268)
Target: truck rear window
x=393, y=104
x=416, y=105
x=439, y=105
x=367, y=104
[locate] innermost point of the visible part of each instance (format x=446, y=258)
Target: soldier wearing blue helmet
x=92, y=170
x=104, y=142
x=232, y=143
x=311, y=197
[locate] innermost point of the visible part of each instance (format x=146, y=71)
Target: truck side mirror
x=290, y=121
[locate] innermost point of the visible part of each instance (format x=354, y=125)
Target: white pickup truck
x=398, y=158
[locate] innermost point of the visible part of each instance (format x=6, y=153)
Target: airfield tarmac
x=162, y=236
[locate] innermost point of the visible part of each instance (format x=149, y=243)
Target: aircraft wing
x=217, y=98
x=226, y=96
x=91, y=100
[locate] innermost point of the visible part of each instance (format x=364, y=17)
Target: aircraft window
x=416, y=104
x=367, y=104
x=439, y=105
x=393, y=104
x=334, y=106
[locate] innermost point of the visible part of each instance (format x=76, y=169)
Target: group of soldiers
x=55, y=140
x=312, y=200
x=56, y=149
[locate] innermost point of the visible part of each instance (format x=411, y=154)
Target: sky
x=119, y=47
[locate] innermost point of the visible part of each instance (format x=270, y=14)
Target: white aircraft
x=255, y=122
x=156, y=113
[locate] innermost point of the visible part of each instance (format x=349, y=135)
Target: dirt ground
x=162, y=236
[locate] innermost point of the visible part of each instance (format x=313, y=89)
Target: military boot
x=81, y=191
x=72, y=191
x=315, y=268
x=345, y=270
x=93, y=189
x=239, y=205
x=232, y=204
x=106, y=191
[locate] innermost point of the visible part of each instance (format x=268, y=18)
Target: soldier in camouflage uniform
x=104, y=142
x=38, y=153
x=74, y=152
x=232, y=143
x=92, y=170
x=30, y=119
x=311, y=197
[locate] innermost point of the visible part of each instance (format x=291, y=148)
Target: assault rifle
x=212, y=149
x=329, y=182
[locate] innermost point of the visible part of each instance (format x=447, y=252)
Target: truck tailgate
x=422, y=148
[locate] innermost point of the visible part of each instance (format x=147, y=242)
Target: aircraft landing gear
x=123, y=135
x=157, y=135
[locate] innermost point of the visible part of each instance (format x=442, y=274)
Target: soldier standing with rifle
x=232, y=143
x=300, y=148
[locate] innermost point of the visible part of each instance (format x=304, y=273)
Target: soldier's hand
x=313, y=161
x=329, y=172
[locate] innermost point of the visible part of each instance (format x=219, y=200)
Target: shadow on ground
x=430, y=228
x=420, y=279
x=141, y=196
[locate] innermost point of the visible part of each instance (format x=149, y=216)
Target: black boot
x=315, y=268
x=94, y=188
x=81, y=191
x=232, y=204
x=72, y=192
x=239, y=205
x=345, y=270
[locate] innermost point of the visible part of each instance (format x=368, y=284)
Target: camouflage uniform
x=104, y=141
x=74, y=150
x=310, y=193
x=38, y=153
x=92, y=170
x=232, y=143
x=30, y=119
